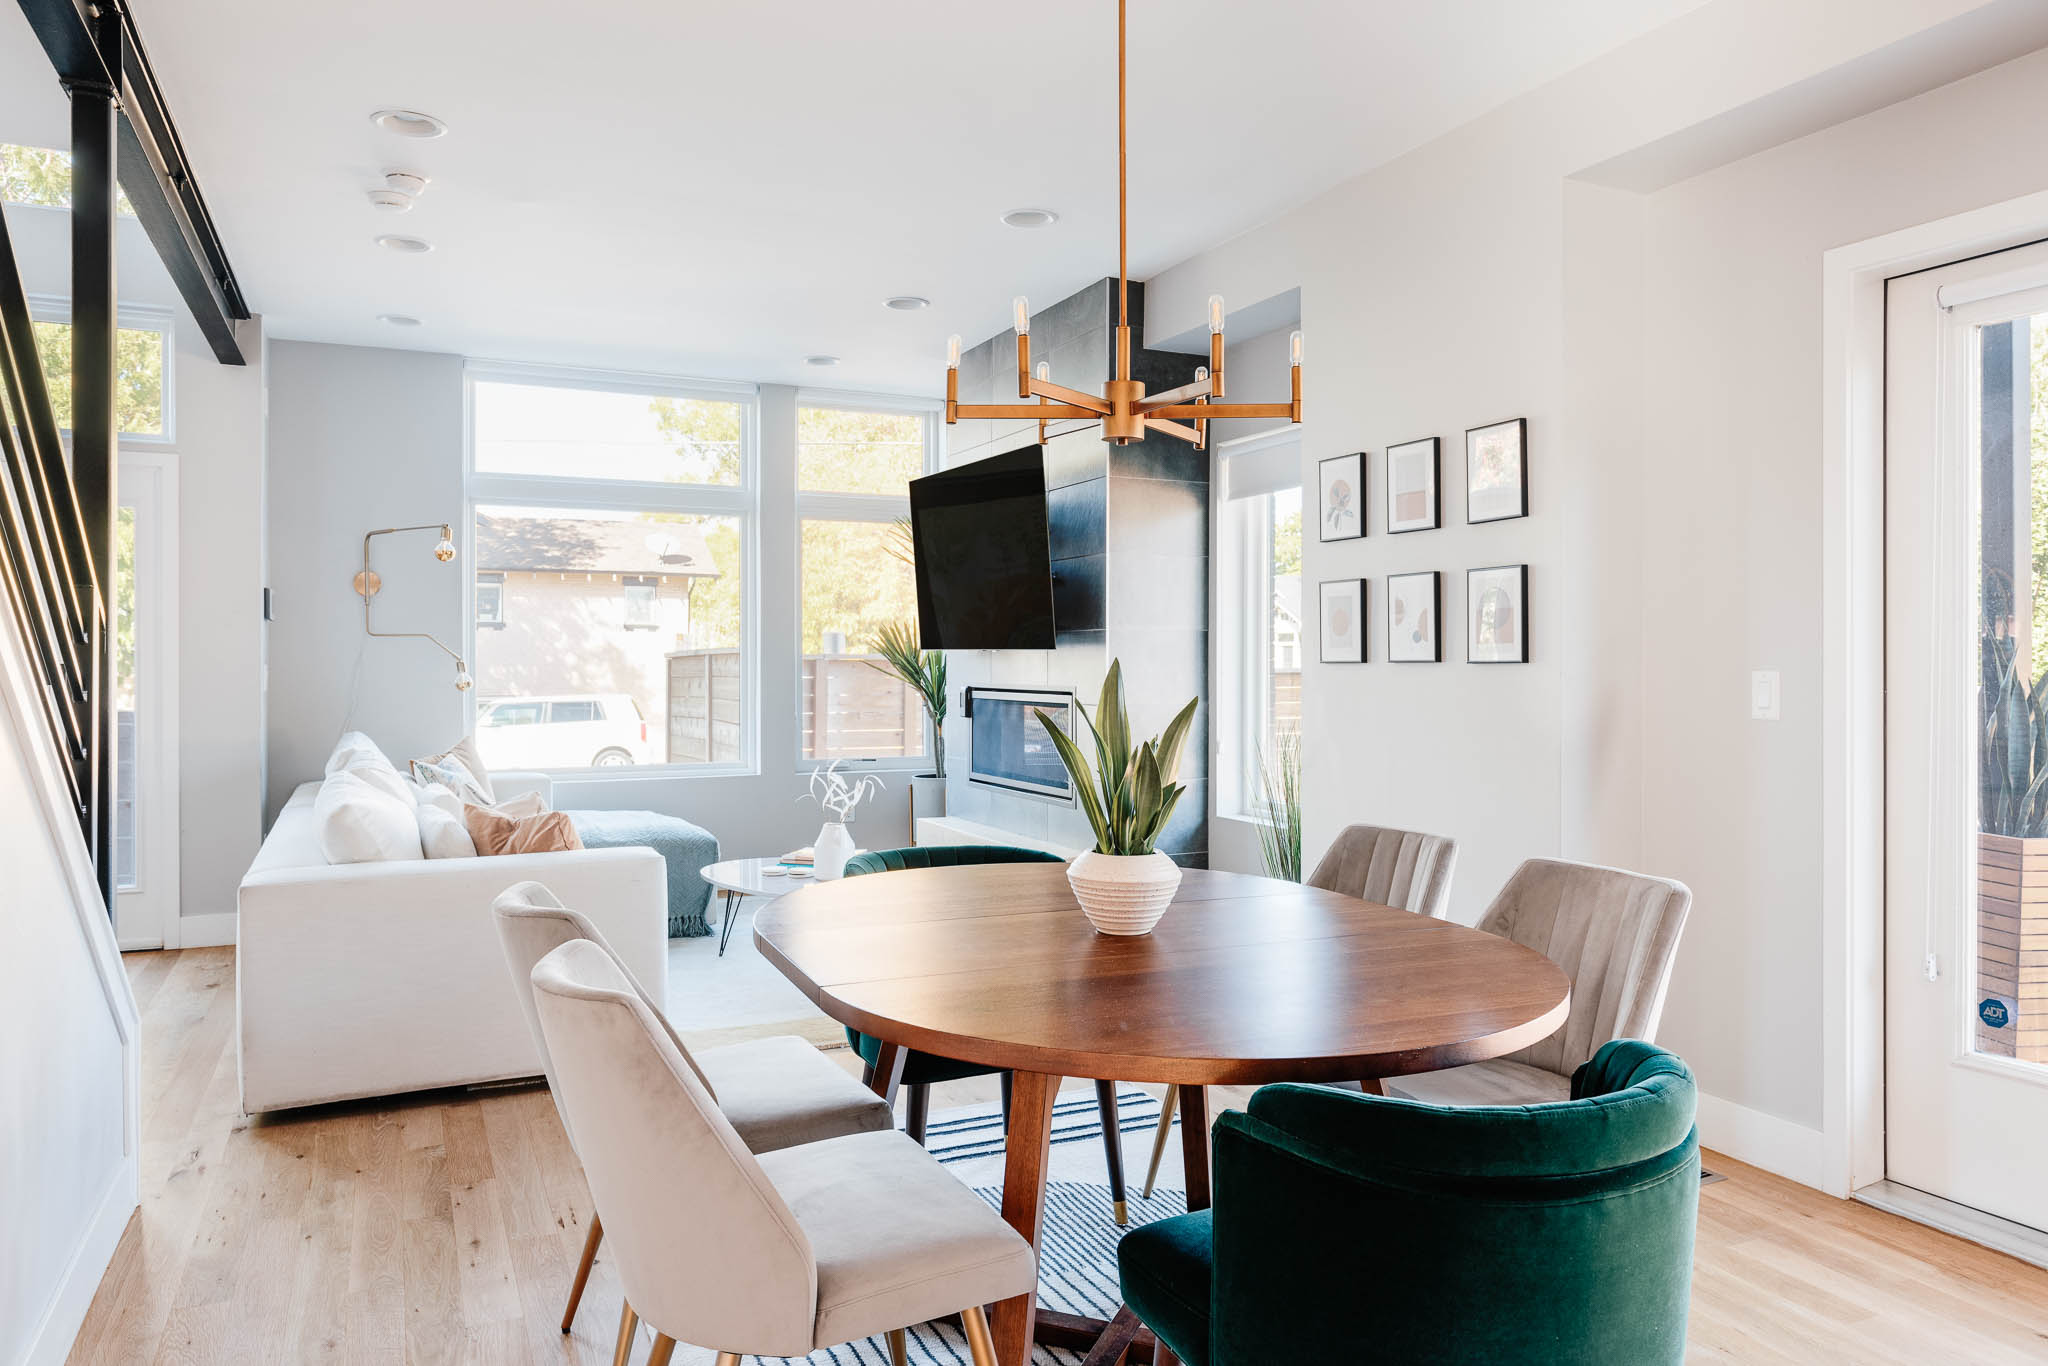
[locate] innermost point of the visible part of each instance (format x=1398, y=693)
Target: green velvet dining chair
x=922, y=1070
x=1558, y=1233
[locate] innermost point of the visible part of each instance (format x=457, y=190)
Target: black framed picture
x=1341, y=636
x=1340, y=497
x=1415, y=633
x=1411, y=485
x=1497, y=471
x=1497, y=614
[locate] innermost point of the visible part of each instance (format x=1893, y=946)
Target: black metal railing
x=58, y=603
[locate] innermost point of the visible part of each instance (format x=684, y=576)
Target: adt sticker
x=1995, y=1013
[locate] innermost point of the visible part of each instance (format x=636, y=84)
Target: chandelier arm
x=1045, y=388
x=1201, y=388
x=1221, y=410
x=1185, y=433
x=1032, y=411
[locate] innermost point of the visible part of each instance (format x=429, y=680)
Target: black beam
x=93, y=421
x=153, y=167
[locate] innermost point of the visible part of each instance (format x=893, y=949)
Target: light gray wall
x=366, y=437
x=1665, y=349
x=361, y=438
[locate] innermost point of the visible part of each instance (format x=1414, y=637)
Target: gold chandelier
x=1125, y=412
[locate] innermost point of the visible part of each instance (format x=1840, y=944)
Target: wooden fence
x=867, y=714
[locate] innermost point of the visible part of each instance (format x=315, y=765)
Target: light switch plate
x=1764, y=704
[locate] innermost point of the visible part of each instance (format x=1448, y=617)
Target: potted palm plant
x=1124, y=884
x=924, y=673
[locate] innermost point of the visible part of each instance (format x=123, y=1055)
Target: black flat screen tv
x=984, y=555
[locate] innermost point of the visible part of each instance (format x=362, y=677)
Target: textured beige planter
x=2012, y=947
x=1124, y=893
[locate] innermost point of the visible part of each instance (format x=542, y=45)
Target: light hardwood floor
x=445, y=1228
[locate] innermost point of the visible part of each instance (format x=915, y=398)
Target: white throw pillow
x=444, y=835
x=351, y=749
x=357, y=822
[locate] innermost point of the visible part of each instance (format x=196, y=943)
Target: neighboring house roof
x=591, y=546
x=1287, y=596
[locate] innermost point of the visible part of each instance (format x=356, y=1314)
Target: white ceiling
x=721, y=190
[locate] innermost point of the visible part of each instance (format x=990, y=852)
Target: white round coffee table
x=740, y=878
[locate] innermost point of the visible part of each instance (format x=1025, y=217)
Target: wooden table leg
x=1373, y=1086
x=888, y=1070
x=1194, y=1144
x=1027, y=1153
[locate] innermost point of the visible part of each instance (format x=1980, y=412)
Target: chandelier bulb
x=1045, y=370
x=953, y=352
x=1216, y=313
x=1201, y=373
x=1020, y=307
x=1294, y=350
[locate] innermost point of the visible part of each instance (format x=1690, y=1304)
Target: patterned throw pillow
x=461, y=770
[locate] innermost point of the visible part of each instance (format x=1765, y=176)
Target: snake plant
x=2012, y=763
x=923, y=672
x=1132, y=799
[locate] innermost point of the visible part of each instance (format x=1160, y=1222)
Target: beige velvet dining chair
x=1615, y=933
x=775, y=1092
x=776, y=1254
x=1406, y=869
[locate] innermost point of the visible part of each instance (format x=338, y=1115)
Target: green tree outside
x=41, y=176
x=138, y=378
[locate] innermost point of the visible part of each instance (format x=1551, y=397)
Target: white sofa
x=369, y=979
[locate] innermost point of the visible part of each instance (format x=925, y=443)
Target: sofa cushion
x=443, y=833
x=358, y=822
x=545, y=832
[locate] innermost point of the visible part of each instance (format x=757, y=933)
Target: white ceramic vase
x=830, y=852
x=1124, y=893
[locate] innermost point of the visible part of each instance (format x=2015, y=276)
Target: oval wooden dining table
x=1246, y=980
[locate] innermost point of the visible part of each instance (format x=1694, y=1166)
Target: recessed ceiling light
x=398, y=319
x=906, y=303
x=409, y=123
x=411, y=246
x=821, y=360
x=1030, y=218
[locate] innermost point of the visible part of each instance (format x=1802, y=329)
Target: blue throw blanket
x=685, y=847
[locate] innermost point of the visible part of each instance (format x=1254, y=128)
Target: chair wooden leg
x=1162, y=1355
x=899, y=1347
x=979, y=1343
x=1113, y=1148
x=590, y=1242
x=665, y=1347
x=629, y=1324
x=916, y=1110
x=728, y=1359
x=1159, y=1137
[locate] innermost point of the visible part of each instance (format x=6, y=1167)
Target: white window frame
x=56, y=308
x=851, y=507
x=740, y=501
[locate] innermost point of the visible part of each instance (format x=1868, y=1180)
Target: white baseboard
x=53, y=1337
x=1779, y=1146
x=206, y=931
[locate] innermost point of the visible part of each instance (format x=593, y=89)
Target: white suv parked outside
x=582, y=730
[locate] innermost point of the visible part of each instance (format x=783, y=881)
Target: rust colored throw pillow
x=546, y=832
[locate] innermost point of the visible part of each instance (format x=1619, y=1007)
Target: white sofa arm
x=371, y=979
x=516, y=782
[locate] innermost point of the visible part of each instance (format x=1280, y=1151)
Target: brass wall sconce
x=367, y=582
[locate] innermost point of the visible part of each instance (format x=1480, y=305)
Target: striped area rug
x=1077, y=1258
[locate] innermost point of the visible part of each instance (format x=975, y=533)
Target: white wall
x=363, y=438
x=1665, y=348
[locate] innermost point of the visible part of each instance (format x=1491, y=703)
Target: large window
x=141, y=346
x=1260, y=548
x=854, y=465
x=609, y=526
